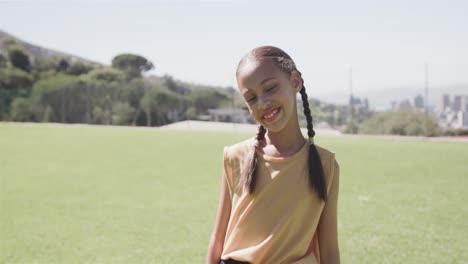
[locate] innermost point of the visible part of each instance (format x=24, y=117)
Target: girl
x=279, y=191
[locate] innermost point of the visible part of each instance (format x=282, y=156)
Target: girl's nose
x=263, y=104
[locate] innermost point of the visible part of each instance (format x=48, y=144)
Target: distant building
x=464, y=103
x=450, y=114
x=394, y=105
x=231, y=115
x=465, y=118
x=457, y=103
x=444, y=102
x=453, y=115
x=366, y=104
x=359, y=108
x=419, y=102
x=404, y=105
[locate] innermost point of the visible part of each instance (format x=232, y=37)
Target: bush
x=162, y=106
x=406, y=123
x=14, y=83
x=79, y=68
x=19, y=58
x=21, y=109
x=101, y=116
x=12, y=78
x=3, y=61
x=122, y=113
x=48, y=115
x=455, y=132
x=351, y=128
x=106, y=74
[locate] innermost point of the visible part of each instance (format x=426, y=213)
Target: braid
x=316, y=176
x=305, y=104
x=249, y=177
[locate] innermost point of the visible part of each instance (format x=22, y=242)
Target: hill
x=37, y=52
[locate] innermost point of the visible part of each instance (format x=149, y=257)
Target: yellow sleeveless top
x=278, y=223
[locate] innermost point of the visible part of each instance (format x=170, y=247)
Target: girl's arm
x=327, y=228
x=216, y=244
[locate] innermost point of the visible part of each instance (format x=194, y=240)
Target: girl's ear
x=296, y=81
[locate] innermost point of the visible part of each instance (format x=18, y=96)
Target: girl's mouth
x=270, y=115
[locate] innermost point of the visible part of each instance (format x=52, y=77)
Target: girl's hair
x=249, y=174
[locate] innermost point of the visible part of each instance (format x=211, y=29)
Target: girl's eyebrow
x=261, y=83
x=267, y=80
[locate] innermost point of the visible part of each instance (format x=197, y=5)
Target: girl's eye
x=271, y=88
x=251, y=99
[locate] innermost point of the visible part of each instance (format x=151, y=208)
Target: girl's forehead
x=253, y=71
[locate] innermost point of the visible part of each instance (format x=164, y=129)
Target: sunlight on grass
x=120, y=195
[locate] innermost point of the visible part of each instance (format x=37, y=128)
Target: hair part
x=249, y=174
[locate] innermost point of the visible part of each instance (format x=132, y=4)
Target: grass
x=119, y=195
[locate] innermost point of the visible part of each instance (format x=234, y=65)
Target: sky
x=385, y=43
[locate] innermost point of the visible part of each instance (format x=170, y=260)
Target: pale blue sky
x=385, y=42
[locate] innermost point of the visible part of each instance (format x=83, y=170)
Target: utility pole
x=426, y=99
x=351, y=101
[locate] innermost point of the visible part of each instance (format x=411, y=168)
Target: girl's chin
x=274, y=127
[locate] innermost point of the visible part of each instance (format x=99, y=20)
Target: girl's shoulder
x=329, y=163
x=239, y=150
x=324, y=153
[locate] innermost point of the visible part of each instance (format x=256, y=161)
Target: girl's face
x=270, y=93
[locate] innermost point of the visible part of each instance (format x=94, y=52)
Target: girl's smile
x=270, y=115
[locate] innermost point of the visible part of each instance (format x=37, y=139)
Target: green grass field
x=122, y=195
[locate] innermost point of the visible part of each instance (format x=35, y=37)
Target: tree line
x=40, y=89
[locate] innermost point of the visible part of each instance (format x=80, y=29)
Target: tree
x=13, y=83
x=49, y=115
x=101, y=116
x=203, y=99
x=79, y=68
x=3, y=61
x=132, y=92
x=122, y=113
x=45, y=64
x=162, y=106
x=11, y=79
x=21, y=109
x=62, y=65
x=133, y=65
x=9, y=41
x=174, y=86
x=65, y=94
x=19, y=58
x=112, y=102
x=106, y=74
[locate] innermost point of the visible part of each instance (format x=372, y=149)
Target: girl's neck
x=283, y=143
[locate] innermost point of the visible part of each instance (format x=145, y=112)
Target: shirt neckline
x=266, y=157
